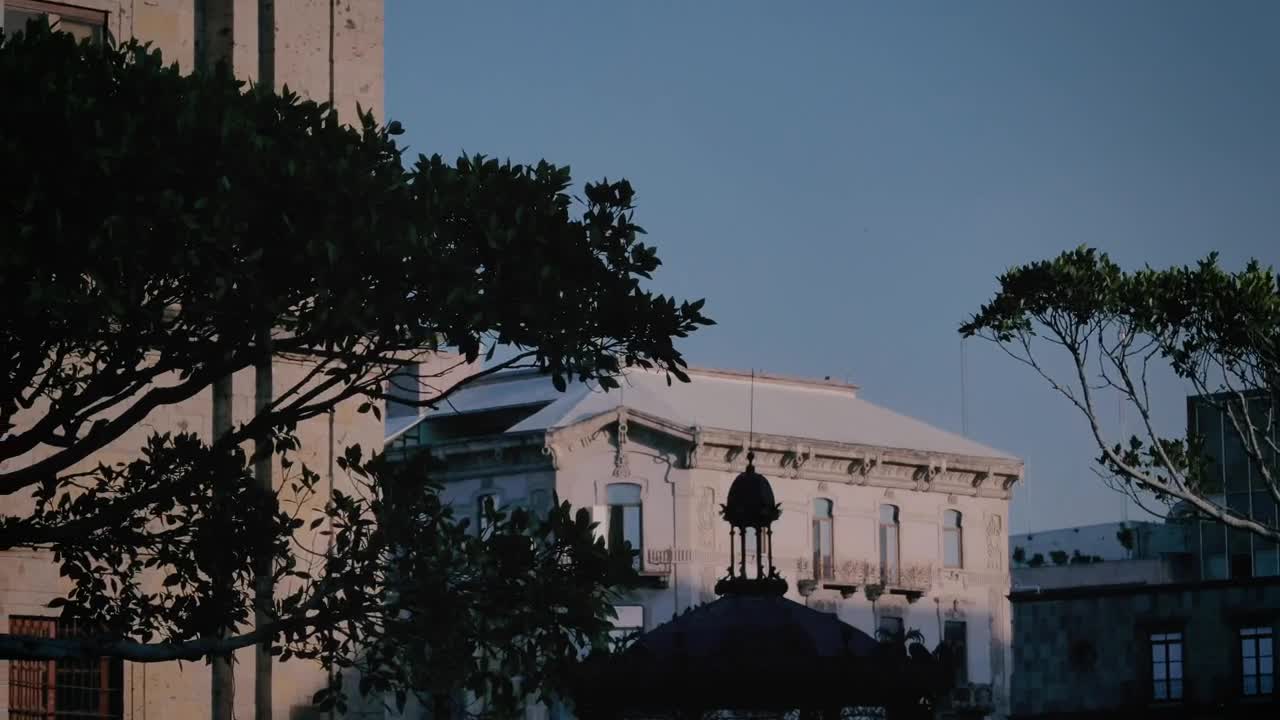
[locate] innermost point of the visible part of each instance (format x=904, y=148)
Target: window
x=403, y=389
x=625, y=519
x=891, y=629
x=1257, y=659
x=888, y=544
x=627, y=625
x=824, y=564
x=956, y=634
x=486, y=505
x=540, y=504
x=77, y=689
x=1166, y=666
x=82, y=23
x=952, y=540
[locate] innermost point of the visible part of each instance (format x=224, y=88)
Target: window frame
x=962, y=657
x=1165, y=639
x=620, y=636
x=483, y=529
x=899, y=632
x=75, y=13
x=621, y=506
x=1255, y=634
x=824, y=568
x=957, y=532
x=57, y=686
x=889, y=575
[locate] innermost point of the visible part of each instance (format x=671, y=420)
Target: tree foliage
x=1219, y=331
x=154, y=223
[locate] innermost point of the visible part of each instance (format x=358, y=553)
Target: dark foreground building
x=1196, y=650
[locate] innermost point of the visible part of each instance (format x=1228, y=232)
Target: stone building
x=886, y=522
x=1179, y=649
x=1179, y=620
x=322, y=50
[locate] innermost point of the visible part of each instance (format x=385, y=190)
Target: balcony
x=910, y=581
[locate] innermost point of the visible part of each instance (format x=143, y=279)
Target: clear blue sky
x=843, y=181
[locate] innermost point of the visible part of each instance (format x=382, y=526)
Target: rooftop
x=820, y=410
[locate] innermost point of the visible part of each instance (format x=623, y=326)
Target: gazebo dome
x=753, y=653
x=750, y=502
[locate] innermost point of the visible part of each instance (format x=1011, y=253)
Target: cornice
x=725, y=450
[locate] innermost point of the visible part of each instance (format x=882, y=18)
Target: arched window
x=888, y=544
x=625, y=519
x=952, y=539
x=824, y=563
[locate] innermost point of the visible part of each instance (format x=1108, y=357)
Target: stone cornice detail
x=858, y=464
x=712, y=449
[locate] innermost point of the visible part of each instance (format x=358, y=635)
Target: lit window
x=952, y=539
x=486, y=506
x=1256, y=661
x=625, y=527
x=888, y=544
x=80, y=23
x=824, y=564
x=1166, y=666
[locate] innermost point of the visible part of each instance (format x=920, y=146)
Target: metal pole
x=222, y=680
x=264, y=566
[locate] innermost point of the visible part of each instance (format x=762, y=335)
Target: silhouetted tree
x=153, y=223
x=1217, y=330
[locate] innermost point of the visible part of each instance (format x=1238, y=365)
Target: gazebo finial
x=751, y=506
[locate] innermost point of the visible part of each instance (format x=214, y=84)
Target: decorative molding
x=621, y=467
x=861, y=466
x=995, y=549
x=550, y=451
x=695, y=447
x=711, y=449
x=708, y=521
x=924, y=475
x=794, y=459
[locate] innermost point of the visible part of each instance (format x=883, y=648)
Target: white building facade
x=886, y=521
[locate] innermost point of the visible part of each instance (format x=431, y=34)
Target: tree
x=1218, y=331
x=177, y=216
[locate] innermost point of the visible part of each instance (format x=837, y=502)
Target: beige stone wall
x=318, y=43
x=28, y=580
x=323, y=49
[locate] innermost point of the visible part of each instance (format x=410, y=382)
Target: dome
x=750, y=502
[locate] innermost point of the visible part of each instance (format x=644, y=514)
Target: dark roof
x=740, y=629
x=751, y=652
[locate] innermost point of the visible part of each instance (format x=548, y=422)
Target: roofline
x=761, y=376
x=773, y=378
x=1134, y=588
x=1113, y=523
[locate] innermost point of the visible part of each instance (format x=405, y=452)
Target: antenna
x=964, y=409
x=751, y=419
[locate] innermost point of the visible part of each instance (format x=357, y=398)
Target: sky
x=844, y=181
